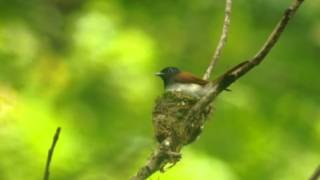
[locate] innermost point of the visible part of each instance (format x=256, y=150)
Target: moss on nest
x=169, y=119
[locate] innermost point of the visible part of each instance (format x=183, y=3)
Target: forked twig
x=239, y=70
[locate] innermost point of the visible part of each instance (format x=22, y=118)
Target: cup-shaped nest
x=170, y=119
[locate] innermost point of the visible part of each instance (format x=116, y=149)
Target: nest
x=169, y=119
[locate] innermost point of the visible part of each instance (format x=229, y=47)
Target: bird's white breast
x=191, y=89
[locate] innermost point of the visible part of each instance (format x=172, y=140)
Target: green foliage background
x=87, y=65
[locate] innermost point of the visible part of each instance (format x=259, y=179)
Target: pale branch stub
x=222, y=41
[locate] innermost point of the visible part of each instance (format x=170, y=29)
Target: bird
x=176, y=80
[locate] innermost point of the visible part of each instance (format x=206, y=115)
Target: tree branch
x=222, y=41
x=50, y=154
x=239, y=70
x=159, y=158
x=236, y=72
x=316, y=174
x=166, y=153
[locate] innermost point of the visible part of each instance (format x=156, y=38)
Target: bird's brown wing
x=186, y=77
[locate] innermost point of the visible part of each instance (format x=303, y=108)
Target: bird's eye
x=171, y=70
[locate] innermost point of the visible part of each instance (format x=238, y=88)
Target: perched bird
x=176, y=80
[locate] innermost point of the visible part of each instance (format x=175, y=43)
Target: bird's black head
x=167, y=75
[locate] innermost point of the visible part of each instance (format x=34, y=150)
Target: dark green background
x=88, y=65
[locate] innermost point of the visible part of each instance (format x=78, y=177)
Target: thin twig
x=316, y=174
x=50, y=154
x=222, y=41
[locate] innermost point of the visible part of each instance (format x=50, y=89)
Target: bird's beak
x=158, y=74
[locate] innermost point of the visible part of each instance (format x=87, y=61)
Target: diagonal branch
x=50, y=154
x=239, y=70
x=222, y=41
x=316, y=174
x=236, y=72
x=156, y=162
